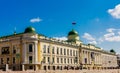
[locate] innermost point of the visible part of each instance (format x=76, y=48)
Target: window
x=61, y=60
x=14, y=50
x=53, y=52
x=85, y=60
x=76, y=60
x=70, y=52
x=76, y=53
x=67, y=51
x=73, y=52
x=1, y=60
x=92, y=55
x=48, y=49
x=44, y=48
x=57, y=60
x=48, y=59
x=61, y=51
x=30, y=48
x=64, y=60
x=30, y=59
x=5, y=50
x=44, y=59
x=53, y=59
x=7, y=60
x=57, y=50
x=71, y=61
x=13, y=60
x=64, y=51
x=68, y=60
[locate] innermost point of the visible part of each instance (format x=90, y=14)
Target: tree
x=112, y=51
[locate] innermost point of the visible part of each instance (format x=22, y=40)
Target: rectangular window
x=71, y=61
x=48, y=49
x=70, y=52
x=53, y=52
x=64, y=51
x=57, y=60
x=44, y=60
x=57, y=50
x=44, y=48
x=53, y=59
x=14, y=50
x=13, y=60
x=76, y=60
x=48, y=59
x=68, y=60
x=30, y=48
x=61, y=60
x=1, y=60
x=30, y=59
x=73, y=52
x=65, y=60
x=67, y=51
x=7, y=60
x=61, y=51
x=5, y=50
x=76, y=53
x=85, y=60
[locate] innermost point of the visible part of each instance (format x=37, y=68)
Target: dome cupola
x=73, y=36
x=30, y=30
x=73, y=32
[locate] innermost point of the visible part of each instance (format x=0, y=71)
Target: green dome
x=73, y=32
x=73, y=36
x=29, y=30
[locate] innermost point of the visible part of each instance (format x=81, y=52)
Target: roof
x=30, y=30
x=73, y=32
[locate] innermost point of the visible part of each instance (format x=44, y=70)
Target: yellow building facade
x=30, y=50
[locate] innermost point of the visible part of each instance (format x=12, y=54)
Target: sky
x=97, y=21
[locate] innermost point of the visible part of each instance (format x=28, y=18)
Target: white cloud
x=110, y=30
x=100, y=40
x=112, y=36
x=93, y=42
x=89, y=38
x=34, y=20
x=109, y=35
x=60, y=38
x=115, y=12
x=119, y=33
x=113, y=39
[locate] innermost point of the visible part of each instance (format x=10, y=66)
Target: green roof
x=73, y=32
x=30, y=30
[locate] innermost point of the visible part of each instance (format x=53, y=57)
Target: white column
x=24, y=53
x=36, y=52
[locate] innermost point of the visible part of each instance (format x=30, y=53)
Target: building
x=118, y=60
x=30, y=50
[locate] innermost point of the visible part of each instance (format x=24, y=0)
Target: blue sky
x=98, y=21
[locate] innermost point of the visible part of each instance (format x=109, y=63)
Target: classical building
x=30, y=50
x=118, y=60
